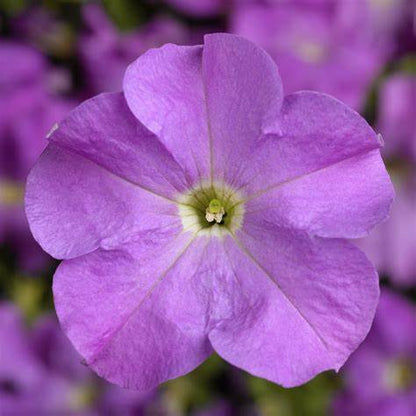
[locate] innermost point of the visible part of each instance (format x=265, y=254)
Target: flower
x=219, y=408
x=314, y=46
x=378, y=21
x=392, y=246
x=28, y=110
x=381, y=375
x=105, y=52
x=26, y=385
x=396, y=120
x=149, y=286
x=43, y=29
x=41, y=373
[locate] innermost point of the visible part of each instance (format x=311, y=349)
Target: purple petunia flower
x=41, y=373
x=381, y=375
x=219, y=408
x=378, y=21
x=316, y=46
x=41, y=28
x=27, y=384
x=28, y=110
x=396, y=119
x=202, y=210
x=392, y=246
x=105, y=52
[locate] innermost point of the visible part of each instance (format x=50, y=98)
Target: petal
x=18, y=365
x=22, y=65
x=137, y=315
x=325, y=175
x=348, y=404
x=392, y=246
x=75, y=206
x=164, y=90
x=208, y=106
x=309, y=304
x=244, y=98
x=103, y=130
x=55, y=352
x=394, y=339
x=317, y=132
x=343, y=200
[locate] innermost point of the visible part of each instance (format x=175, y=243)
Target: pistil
x=215, y=211
x=211, y=208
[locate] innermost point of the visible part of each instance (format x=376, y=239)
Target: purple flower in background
x=392, y=245
x=105, y=52
x=41, y=373
x=27, y=112
x=313, y=46
x=381, y=375
x=41, y=28
x=27, y=386
x=202, y=210
x=396, y=118
x=219, y=408
x=59, y=357
x=377, y=21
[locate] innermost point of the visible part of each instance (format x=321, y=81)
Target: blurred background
x=55, y=54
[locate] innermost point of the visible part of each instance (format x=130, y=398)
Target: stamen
x=212, y=209
x=215, y=211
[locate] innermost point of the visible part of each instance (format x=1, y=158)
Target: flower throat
x=215, y=208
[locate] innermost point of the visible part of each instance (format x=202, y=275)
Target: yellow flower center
x=11, y=193
x=399, y=375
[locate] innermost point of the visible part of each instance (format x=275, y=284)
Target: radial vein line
x=145, y=297
x=256, y=262
x=68, y=149
x=232, y=267
x=296, y=178
x=194, y=159
x=211, y=146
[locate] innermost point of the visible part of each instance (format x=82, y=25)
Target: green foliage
x=127, y=14
x=312, y=399
x=12, y=7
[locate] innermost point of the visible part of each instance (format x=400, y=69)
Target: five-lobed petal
x=143, y=298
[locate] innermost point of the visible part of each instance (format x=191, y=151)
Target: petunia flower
x=218, y=408
x=105, y=52
x=381, y=375
x=150, y=286
x=321, y=46
x=42, y=374
x=28, y=110
x=378, y=21
x=396, y=119
x=27, y=386
x=43, y=29
x=392, y=246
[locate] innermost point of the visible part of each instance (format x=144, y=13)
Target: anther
x=215, y=211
